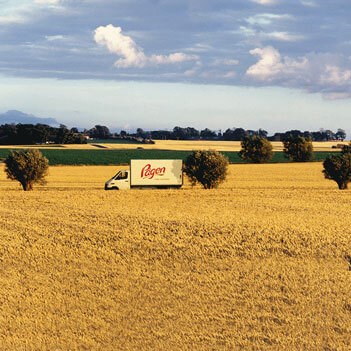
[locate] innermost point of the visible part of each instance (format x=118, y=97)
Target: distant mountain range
x=14, y=116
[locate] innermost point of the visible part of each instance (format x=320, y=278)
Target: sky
x=156, y=64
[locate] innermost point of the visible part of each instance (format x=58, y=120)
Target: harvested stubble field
x=188, y=145
x=174, y=145
x=259, y=264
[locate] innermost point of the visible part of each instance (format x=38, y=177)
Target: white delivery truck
x=148, y=174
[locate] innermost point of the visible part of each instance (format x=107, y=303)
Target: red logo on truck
x=149, y=172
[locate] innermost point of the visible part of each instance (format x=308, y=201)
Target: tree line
x=26, y=134
x=238, y=134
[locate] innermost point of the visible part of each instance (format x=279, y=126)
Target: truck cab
x=120, y=181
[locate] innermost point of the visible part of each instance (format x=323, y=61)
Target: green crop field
x=114, y=157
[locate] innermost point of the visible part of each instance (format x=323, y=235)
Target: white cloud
x=225, y=62
x=54, y=37
x=272, y=66
x=22, y=13
x=335, y=75
x=47, y=2
x=309, y=3
x=229, y=75
x=315, y=72
x=267, y=18
x=248, y=32
x=131, y=54
x=282, y=36
x=200, y=48
x=122, y=45
x=214, y=74
x=276, y=36
x=12, y=19
x=191, y=73
x=178, y=57
x=265, y=2
x=257, y=28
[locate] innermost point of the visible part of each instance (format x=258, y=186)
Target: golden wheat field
x=262, y=263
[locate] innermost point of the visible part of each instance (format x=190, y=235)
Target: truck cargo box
x=159, y=173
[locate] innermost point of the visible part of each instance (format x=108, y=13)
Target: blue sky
x=273, y=64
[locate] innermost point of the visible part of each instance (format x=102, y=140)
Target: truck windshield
x=122, y=175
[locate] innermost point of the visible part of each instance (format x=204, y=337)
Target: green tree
x=27, y=166
x=99, y=132
x=298, y=149
x=346, y=149
x=208, y=168
x=62, y=135
x=256, y=149
x=340, y=134
x=338, y=168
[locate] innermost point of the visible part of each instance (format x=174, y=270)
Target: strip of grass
x=114, y=157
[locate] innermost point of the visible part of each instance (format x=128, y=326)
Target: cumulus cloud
x=131, y=55
x=313, y=68
x=335, y=75
x=316, y=72
x=272, y=66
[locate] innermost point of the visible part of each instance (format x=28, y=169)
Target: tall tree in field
x=27, y=166
x=256, y=149
x=338, y=168
x=298, y=149
x=208, y=168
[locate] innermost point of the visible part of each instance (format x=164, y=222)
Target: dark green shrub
x=208, y=168
x=27, y=166
x=298, y=149
x=338, y=168
x=256, y=149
